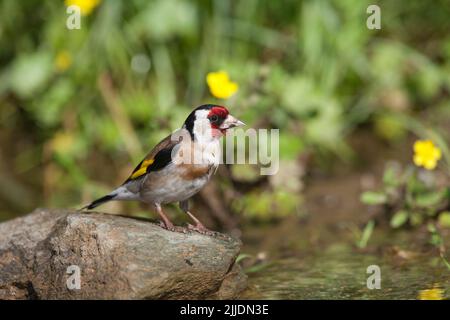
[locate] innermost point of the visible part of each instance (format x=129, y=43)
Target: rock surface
x=118, y=258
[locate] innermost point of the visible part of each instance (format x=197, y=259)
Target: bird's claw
x=200, y=229
x=173, y=228
x=197, y=228
x=169, y=227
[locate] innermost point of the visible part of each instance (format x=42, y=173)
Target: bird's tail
x=121, y=193
x=99, y=201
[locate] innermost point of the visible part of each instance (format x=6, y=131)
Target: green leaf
x=399, y=218
x=30, y=73
x=373, y=198
x=367, y=233
x=444, y=219
x=243, y=256
x=429, y=199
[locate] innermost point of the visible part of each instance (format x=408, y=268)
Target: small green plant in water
x=366, y=234
x=252, y=263
x=411, y=197
x=437, y=241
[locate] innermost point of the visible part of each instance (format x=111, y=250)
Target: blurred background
x=80, y=108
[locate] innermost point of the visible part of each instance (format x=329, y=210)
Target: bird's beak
x=231, y=122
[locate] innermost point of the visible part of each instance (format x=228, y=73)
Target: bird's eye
x=214, y=118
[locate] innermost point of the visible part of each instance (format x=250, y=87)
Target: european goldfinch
x=179, y=166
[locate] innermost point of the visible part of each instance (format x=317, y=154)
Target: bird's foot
x=173, y=228
x=168, y=226
x=200, y=228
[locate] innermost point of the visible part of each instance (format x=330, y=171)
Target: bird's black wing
x=158, y=158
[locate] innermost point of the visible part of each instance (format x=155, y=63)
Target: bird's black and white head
x=210, y=122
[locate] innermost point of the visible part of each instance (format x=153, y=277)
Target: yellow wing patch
x=142, y=169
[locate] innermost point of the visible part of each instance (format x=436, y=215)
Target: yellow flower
x=86, y=6
x=431, y=294
x=426, y=154
x=63, y=61
x=220, y=85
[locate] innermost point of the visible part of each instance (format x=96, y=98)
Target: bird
x=179, y=166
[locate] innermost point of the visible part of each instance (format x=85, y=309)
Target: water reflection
x=340, y=272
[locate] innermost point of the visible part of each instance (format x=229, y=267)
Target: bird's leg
x=184, y=205
x=167, y=223
x=198, y=225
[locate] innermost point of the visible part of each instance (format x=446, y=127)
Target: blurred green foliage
x=411, y=197
x=78, y=107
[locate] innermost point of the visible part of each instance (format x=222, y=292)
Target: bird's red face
x=221, y=120
x=216, y=117
x=210, y=122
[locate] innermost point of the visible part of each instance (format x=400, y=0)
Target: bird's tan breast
x=193, y=171
x=174, y=183
x=190, y=169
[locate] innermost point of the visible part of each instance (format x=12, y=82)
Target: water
x=339, y=271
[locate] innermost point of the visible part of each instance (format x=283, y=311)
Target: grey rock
x=118, y=258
